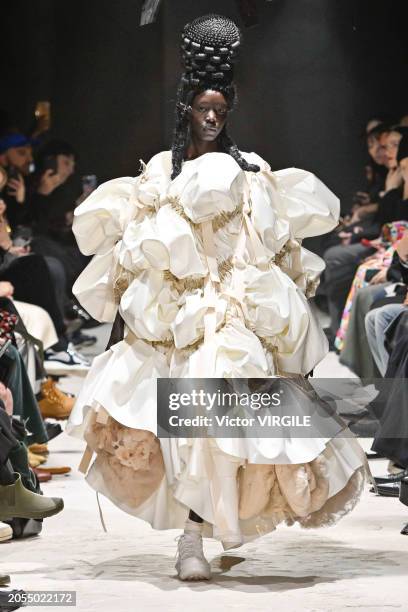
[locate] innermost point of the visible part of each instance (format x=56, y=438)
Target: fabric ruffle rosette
x=210, y=277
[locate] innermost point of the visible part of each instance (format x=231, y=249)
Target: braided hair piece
x=209, y=49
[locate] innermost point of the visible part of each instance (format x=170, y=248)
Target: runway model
x=200, y=259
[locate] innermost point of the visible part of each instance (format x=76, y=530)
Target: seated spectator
x=51, y=211
x=32, y=281
x=378, y=320
x=35, y=328
x=342, y=261
x=355, y=351
x=373, y=272
x=365, y=201
x=16, y=158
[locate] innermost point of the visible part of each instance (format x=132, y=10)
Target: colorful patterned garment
x=8, y=322
x=390, y=234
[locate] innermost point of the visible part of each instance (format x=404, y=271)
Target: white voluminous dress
x=210, y=277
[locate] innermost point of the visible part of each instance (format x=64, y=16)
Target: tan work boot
x=35, y=460
x=39, y=449
x=18, y=502
x=55, y=404
x=4, y=580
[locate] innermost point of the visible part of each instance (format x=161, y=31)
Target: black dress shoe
x=391, y=489
x=375, y=456
x=404, y=530
x=391, y=477
x=404, y=491
x=53, y=429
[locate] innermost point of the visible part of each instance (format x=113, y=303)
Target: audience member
x=342, y=261
x=50, y=213
x=16, y=158
x=378, y=320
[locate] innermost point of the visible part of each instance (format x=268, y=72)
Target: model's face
x=208, y=115
x=391, y=147
x=21, y=158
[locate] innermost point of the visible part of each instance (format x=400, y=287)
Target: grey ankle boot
x=18, y=502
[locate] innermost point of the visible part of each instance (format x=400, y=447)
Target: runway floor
x=361, y=563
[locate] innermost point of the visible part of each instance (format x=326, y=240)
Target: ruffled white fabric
x=158, y=246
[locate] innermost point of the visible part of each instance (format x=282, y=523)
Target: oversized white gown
x=211, y=280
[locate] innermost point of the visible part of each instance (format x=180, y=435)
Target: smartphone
x=370, y=274
x=12, y=173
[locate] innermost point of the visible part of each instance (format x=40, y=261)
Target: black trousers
x=7, y=439
x=341, y=265
x=13, y=452
x=391, y=405
x=69, y=256
x=8, y=443
x=33, y=283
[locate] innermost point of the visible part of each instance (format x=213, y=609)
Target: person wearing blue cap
x=16, y=157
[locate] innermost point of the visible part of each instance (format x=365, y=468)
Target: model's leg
x=191, y=563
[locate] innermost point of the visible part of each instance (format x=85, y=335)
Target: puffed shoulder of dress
x=100, y=223
x=296, y=196
x=103, y=217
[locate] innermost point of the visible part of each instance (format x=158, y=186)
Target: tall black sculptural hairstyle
x=209, y=49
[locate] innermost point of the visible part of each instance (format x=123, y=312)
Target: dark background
x=311, y=74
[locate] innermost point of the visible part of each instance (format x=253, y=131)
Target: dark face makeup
x=208, y=115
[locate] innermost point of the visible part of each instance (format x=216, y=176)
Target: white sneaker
x=191, y=563
x=69, y=359
x=6, y=532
